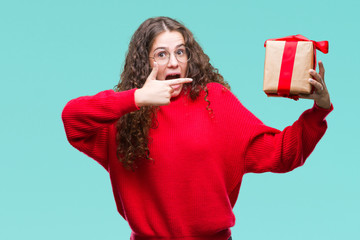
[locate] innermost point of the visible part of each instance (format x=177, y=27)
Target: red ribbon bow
x=288, y=61
x=322, y=46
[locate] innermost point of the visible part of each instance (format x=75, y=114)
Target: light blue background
x=53, y=51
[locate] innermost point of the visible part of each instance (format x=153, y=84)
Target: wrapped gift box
x=287, y=64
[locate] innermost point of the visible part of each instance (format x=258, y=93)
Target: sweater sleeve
x=87, y=121
x=281, y=151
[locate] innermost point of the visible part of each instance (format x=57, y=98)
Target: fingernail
x=311, y=80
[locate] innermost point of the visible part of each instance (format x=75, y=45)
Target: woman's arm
x=271, y=150
x=87, y=120
x=283, y=151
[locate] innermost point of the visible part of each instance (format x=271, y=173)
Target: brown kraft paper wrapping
x=304, y=60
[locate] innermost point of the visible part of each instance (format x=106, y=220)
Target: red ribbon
x=286, y=69
x=287, y=63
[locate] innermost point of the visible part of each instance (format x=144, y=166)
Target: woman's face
x=172, y=43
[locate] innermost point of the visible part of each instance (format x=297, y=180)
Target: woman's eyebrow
x=166, y=48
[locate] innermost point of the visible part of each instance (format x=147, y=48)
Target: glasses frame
x=168, y=59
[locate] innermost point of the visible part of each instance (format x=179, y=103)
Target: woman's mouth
x=172, y=76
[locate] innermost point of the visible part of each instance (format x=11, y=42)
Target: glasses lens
x=162, y=57
x=182, y=54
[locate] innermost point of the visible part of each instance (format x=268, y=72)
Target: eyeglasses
x=162, y=56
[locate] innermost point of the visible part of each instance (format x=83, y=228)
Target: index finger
x=178, y=81
x=154, y=71
x=321, y=69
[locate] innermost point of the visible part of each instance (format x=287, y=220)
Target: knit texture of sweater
x=199, y=158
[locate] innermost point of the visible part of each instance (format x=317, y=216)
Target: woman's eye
x=180, y=52
x=161, y=55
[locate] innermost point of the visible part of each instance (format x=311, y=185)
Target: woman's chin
x=176, y=92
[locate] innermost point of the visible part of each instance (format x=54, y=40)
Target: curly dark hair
x=133, y=128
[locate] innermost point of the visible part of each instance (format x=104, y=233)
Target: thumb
x=154, y=72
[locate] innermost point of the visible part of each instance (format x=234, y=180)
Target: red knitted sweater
x=190, y=188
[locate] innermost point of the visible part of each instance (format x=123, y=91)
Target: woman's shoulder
x=216, y=86
x=227, y=106
x=219, y=91
x=224, y=101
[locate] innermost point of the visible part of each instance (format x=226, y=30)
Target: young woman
x=176, y=142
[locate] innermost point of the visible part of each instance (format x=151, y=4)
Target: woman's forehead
x=168, y=40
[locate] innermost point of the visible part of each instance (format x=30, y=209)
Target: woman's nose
x=173, y=62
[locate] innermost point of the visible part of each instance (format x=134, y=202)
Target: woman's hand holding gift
x=320, y=95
